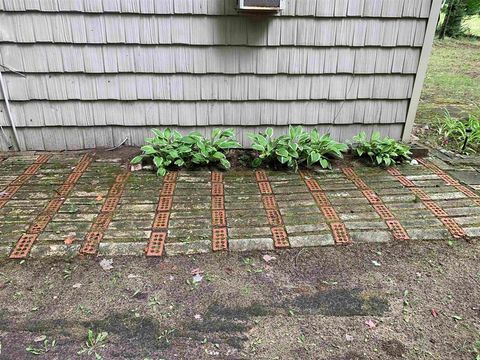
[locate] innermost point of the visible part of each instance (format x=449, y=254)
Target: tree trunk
x=452, y=25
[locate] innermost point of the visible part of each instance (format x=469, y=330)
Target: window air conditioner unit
x=261, y=5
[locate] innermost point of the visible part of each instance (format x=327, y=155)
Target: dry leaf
x=106, y=264
x=434, y=313
x=70, y=238
x=196, y=271
x=197, y=278
x=268, y=258
x=40, y=338
x=371, y=324
x=99, y=198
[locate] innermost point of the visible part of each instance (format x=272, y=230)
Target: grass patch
x=472, y=24
x=452, y=83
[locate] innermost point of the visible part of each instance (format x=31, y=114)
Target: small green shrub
x=212, y=151
x=168, y=148
x=297, y=148
x=320, y=148
x=381, y=152
x=453, y=132
x=165, y=148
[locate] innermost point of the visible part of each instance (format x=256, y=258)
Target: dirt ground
x=412, y=300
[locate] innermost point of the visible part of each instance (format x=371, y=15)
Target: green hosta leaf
x=215, y=133
x=219, y=155
x=157, y=132
x=148, y=149
x=258, y=147
x=314, y=157
x=282, y=153
x=137, y=159
x=284, y=160
x=167, y=133
x=225, y=163
x=161, y=171
x=256, y=162
x=230, y=144
x=324, y=163
x=375, y=136
x=158, y=161
x=180, y=162
x=269, y=132
x=189, y=140
x=173, y=154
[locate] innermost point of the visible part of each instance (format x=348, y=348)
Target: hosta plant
x=170, y=148
x=208, y=151
x=319, y=149
x=296, y=148
x=166, y=148
x=460, y=134
x=381, y=152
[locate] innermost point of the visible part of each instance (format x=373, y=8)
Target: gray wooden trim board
x=422, y=70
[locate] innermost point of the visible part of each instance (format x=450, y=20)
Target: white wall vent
x=261, y=5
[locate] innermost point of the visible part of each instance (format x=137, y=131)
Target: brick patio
x=65, y=204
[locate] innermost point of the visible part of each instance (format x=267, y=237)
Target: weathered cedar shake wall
x=98, y=71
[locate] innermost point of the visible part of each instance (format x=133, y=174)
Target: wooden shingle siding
x=208, y=87
x=75, y=138
x=312, y=8
x=49, y=58
x=97, y=71
x=217, y=113
x=181, y=29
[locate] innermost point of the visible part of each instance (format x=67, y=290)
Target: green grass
x=452, y=83
x=453, y=80
x=473, y=25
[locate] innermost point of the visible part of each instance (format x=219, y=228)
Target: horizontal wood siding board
x=315, y=8
x=100, y=59
x=188, y=30
x=207, y=87
x=164, y=113
x=76, y=138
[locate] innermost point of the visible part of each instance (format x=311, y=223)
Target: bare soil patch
x=415, y=301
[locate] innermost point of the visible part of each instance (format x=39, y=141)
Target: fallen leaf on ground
x=371, y=324
x=196, y=271
x=434, y=313
x=268, y=258
x=70, y=238
x=376, y=263
x=40, y=338
x=197, y=278
x=136, y=167
x=99, y=198
x=106, y=264
x=76, y=286
x=197, y=316
x=131, y=276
